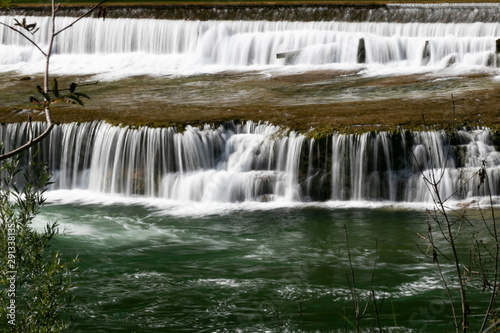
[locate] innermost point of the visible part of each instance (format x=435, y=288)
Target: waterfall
x=140, y=46
x=262, y=162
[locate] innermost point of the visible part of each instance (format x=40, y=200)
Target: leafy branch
x=72, y=98
x=24, y=28
x=31, y=28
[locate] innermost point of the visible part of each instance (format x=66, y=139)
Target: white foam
x=65, y=227
x=198, y=209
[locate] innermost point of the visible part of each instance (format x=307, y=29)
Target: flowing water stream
x=240, y=227
x=393, y=39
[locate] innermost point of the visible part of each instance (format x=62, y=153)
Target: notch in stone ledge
x=492, y=60
x=493, y=57
x=361, y=51
x=289, y=56
x=426, y=55
x=497, y=51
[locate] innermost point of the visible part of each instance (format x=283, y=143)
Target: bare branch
x=449, y=140
x=25, y=37
x=496, y=256
x=353, y=287
x=375, y=308
x=443, y=279
x=81, y=17
x=79, y=85
x=461, y=186
x=31, y=142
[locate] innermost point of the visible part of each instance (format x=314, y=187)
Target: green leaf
x=46, y=96
x=55, y=89
x=74, y=98
x=82, y=95
x=41, y=92
x=34, y=100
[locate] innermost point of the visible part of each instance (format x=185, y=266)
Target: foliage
x=5, y=3
x=26, y=29
x=72, y=98
x=34, y=281
x=444, y=238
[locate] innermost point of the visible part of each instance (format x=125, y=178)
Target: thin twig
x=81, y=17
x=448, y=292
x=377, y=318
x=25, y=36
x=491, y=304
x=353, y=287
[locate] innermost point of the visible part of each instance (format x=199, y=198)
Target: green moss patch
x=311, y=103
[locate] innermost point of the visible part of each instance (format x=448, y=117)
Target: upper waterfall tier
x=261, y=162
x=127, y=46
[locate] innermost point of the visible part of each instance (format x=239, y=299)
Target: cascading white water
x=261, y=162
x=249, y=162
x=127, y=46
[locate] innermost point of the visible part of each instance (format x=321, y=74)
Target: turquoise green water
x=276, y=270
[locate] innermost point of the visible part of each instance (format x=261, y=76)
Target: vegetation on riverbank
x=212, y=2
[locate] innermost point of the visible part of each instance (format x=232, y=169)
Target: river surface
x=246, y=268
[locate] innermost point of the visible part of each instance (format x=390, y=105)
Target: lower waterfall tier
x=262, y=162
